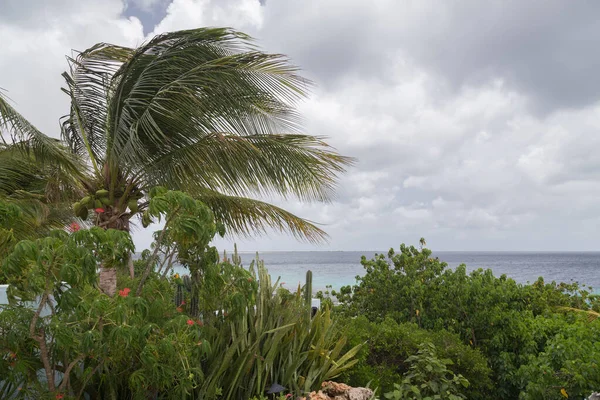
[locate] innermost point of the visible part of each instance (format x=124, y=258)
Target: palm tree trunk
x=130, y=265
x=108, y=281
x=108, y=276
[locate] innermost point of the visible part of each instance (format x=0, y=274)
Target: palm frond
x=297, y=164
x=34, y=198
x=21, y=172
x=185, y=87
x=243, y=216
x=88, y=82
x=18, y=131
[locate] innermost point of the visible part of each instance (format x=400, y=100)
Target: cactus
x=308, y=289
x=256, y=265
x=195, y=306
x=236, y=259
x=179, y=295
x=187, y=283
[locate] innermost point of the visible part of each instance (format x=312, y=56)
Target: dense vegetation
x=231, y=336
x=410, y=327
x=508, y=340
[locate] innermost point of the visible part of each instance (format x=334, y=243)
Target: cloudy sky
x=475, y=124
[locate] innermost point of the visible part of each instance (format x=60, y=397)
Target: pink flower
x=60, y=396
x=74, y=227
x=124, y=292
x=99, y=210
x=190, y=322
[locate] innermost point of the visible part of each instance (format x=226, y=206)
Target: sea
x=340, y=268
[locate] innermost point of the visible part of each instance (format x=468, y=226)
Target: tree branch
x=169, y=264
x=65, y=381
x=156, y=249
x=41, y=340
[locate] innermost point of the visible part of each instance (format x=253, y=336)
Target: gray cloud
x=150, y=12
x=545, y=48
x=475, y=123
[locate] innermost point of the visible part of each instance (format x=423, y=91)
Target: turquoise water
x=340, y=268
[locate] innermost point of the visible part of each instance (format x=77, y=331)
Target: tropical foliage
x=534, y=345
x=383, y=360
x=145, y=345
x=428, y=377
x=38, y=180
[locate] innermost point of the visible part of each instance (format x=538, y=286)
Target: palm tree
x=202, y=111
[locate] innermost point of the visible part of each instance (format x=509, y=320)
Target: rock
x=318, y=396
x=334, y=389
x=359, y=394
x=340, y=391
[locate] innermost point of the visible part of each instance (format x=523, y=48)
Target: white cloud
x=36, y=40
x=188, y=14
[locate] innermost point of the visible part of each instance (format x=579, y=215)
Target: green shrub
x=383, y=359
x=569, y=361
x=496, y=315
x=428, y=377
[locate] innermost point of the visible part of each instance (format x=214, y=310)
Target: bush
x=388, y=346
x=569, y=363
x=429, y=378
x=506, y=321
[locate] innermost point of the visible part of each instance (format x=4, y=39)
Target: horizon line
x=433, y=251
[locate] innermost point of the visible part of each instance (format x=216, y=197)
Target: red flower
x=124, y=292
x=199, y=323
x=190, y=322
x=60, y=396
x=74, y=227
x=179, y=309
x=99, y=210
x=182, y=303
